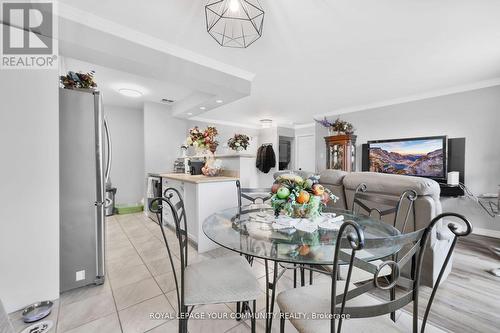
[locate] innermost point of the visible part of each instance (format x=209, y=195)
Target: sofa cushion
x=392, y=184
x=333, y=177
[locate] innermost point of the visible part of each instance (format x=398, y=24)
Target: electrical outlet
x=80, y=275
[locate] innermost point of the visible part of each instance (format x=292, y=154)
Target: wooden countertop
x=197, y=179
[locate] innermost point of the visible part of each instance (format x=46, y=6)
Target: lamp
x=234, y=23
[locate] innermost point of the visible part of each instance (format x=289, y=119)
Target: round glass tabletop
x=256, y=234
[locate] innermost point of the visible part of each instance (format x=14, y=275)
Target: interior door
x=305, y=157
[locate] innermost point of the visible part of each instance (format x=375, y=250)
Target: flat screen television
x=424, y=157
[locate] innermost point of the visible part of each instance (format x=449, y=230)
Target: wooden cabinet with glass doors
x=341, y=152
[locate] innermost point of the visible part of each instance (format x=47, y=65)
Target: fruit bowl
x=299, y=198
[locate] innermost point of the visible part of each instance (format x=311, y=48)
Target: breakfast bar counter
x=197, y=179
x=203, y=196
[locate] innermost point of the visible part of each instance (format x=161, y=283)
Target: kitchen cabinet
x=203, y=196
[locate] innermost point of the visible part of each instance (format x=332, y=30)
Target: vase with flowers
x=202, y=140
x=239, y=142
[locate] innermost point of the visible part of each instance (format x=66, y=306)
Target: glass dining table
x=253, y=232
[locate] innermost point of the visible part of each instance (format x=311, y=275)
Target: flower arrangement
x=298, y=198
x=239, y=142
x=78, y=80
x=340, y=126
x=203, y=139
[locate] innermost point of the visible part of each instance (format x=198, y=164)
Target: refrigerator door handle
x=110, y=151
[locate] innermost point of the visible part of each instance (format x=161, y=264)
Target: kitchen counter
x=197, y=179
x=203, y=196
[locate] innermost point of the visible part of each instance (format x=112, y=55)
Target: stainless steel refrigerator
x=85, y=161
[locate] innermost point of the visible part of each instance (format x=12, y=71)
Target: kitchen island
x=202, y=196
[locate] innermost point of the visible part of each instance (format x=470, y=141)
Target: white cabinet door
x=305, y=157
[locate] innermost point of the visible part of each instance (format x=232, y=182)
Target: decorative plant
x=239, y=142
x=337, y=126
x=298, y=198
x=203, y=139
x=324, y=122
x=78, y=80
x=342, y=126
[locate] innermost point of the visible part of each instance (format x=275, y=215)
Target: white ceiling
x=109, y=81
x=323, y=56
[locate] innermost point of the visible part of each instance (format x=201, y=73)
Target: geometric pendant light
x=234, y=23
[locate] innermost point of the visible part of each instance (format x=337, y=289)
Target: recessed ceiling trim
x=413, y=98
x=98, y=23
x=224, y=122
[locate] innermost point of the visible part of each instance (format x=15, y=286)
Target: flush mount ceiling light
x=234, y=23
x=219, y=101
x=130, y=92
x=202, y=108
x=266, y=123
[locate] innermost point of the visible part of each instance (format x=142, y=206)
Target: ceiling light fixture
x=266, y=123
x=130, y=92
x=202, y=108
x=189, y=113
x=234, y=23
x=219, y=101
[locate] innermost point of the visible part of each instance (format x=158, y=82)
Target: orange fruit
x=303, y=197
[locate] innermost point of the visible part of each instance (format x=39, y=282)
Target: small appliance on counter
x=179, y=166
x=196, y=166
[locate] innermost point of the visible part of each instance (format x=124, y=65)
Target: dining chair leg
x=302, y=276
x=295, y=275
x=310, y=277
x=238, y=311
x=282, y=323
x=254, y=313
x=393, y=297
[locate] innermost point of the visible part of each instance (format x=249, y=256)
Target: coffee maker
x=195, y=167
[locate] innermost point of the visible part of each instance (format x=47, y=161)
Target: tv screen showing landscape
x=413, y=157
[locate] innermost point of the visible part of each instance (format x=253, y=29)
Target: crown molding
x=413, y=98
x=307, y=125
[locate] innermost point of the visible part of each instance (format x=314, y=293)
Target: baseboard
x=486, y=232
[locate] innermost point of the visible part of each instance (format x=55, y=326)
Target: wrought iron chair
x=350, y=301
x=366, y=202
x=254, y=195
x=221, y=280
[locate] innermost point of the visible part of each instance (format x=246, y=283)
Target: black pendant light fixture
x=234, y=23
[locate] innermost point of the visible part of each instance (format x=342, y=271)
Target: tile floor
x=140, y=282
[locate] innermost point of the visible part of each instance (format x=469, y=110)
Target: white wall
x=127, y=169
x=474, y=115
x=29, y=192
x=163, y=136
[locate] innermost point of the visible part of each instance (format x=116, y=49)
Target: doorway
x=305, y=153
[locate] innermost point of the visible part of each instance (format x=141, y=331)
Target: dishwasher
x=153, y=190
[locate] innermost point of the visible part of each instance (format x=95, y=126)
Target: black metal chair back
x=418, y=241
x=367, y=201
x=254, y=195
x=171, y=195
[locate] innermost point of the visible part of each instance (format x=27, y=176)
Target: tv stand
x=451, y=190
